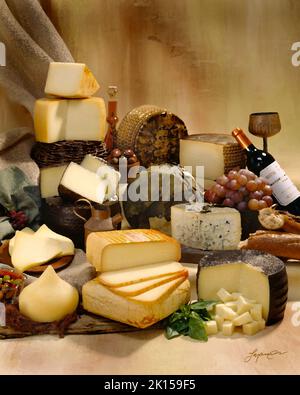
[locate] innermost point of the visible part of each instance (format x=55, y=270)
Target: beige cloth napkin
x=31, y=43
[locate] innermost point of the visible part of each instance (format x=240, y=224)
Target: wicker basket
x=63, y=152
x=153, y=133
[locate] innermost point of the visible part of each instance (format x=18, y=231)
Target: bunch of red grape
x=240, y=189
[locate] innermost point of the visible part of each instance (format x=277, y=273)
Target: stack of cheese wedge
x=140, y=280
x=69, y=115
x=29, y=249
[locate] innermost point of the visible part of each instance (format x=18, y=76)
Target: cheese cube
x=225, y=312
x=242, y=319
x=211, y=327
x=50, y=179
x=73, y=80
x=219, y=320
x=216, y=229
x=227, y=328
x=121, y=249
x=224, y=295
x=251, y=328
x=256, y=312
x=261, y=324
x=235, y=295
x=243, y=305
x=57, y=120
x=232, y=305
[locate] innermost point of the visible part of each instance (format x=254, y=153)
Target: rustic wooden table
x=275, y=350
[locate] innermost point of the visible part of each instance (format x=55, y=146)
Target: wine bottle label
x=284, y=191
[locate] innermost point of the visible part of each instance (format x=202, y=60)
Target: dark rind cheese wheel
x=268, y=265
x=64, y=152
x=152, y=133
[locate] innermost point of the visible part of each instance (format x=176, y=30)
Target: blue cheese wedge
x=218, y=228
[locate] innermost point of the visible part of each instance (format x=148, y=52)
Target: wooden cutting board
x=86, y=324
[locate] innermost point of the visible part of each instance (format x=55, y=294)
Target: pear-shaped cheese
x=12, y=240
x=31, y=250
x=48, y=299
x=67, y=245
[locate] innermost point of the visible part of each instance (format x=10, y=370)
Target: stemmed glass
x=264, y=124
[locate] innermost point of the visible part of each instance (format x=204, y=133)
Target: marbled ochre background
x=212, y=62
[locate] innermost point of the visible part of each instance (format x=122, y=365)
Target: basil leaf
x=203, y=305
x=171, y=333
x=197, y=329
x=180, y=325
x=176, y=316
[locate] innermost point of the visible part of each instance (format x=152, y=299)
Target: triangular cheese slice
x=138, y=274
x=30, y=250
x=159, y=293
x=12, y=240
x=144, y=286
x=67, y=245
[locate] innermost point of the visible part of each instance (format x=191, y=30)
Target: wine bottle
x=261, y=163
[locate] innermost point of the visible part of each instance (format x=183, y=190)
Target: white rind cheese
x=72, y=80
x=100, y=300
x=216, y=229
x=50, y=179
x=122, y=249
x=62, y=119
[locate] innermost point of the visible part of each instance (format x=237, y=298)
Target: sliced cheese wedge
x=121, y=249
x=139, y=274
x=78, y=182
x=159, y=293
x=12, y=240
x=30, y=250
x=67, y=245
x=144, y=286
x=98, y=299
x=74, y=80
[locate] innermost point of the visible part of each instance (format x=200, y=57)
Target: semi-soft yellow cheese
x=62, y=119
x=12, y=240
x=82, y=183
x=30, y=250
x=72, y=80
x=100, y=300
x=49, y=298
x=50, y=179
x=140, y=274
x=66, y=244
x=115, y=250
x=141, y=287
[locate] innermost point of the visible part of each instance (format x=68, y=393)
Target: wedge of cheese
x=50, y=179
x=120, y=249
x=67, y=245
x=144, y=286
x=30, y=250
x=100, y=300
x=78, y=119
x=73, y=80
x=141, y=274
x=12, y=240
x=78, y=182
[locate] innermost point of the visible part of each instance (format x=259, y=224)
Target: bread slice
x=100, y=300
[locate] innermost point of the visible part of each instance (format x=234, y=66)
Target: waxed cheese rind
x=263, y=278
x=99, y=300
